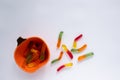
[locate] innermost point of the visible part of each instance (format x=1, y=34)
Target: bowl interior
x=31, y=54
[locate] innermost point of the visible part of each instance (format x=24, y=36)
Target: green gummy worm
x=89, y=54
x=60, y=35
x=55, y=60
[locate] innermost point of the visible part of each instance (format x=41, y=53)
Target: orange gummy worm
x=59, y=58
x=82, y=48
x=59, y=39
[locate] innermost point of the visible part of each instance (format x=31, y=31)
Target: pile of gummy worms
x=71, y=52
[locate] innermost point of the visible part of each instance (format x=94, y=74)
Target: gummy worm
x=64, y=65
x=42, y=53
x=59, y=58
x=90, y=54
x=79, y=49
x=59, y=39
x=78, y=37
x=64, y=47
x=74, y=44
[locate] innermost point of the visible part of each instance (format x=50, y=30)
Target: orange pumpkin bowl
x=25, y=48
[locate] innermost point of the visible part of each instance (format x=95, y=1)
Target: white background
x=97, y=20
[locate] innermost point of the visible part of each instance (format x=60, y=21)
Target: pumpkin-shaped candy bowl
x=31, y=54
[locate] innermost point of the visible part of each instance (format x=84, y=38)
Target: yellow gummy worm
x=68, y=64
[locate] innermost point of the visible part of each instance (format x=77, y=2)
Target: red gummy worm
x=78, y=37
x=62, y=66
x=69, y=54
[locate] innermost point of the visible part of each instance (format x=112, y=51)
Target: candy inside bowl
x=31, y=54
